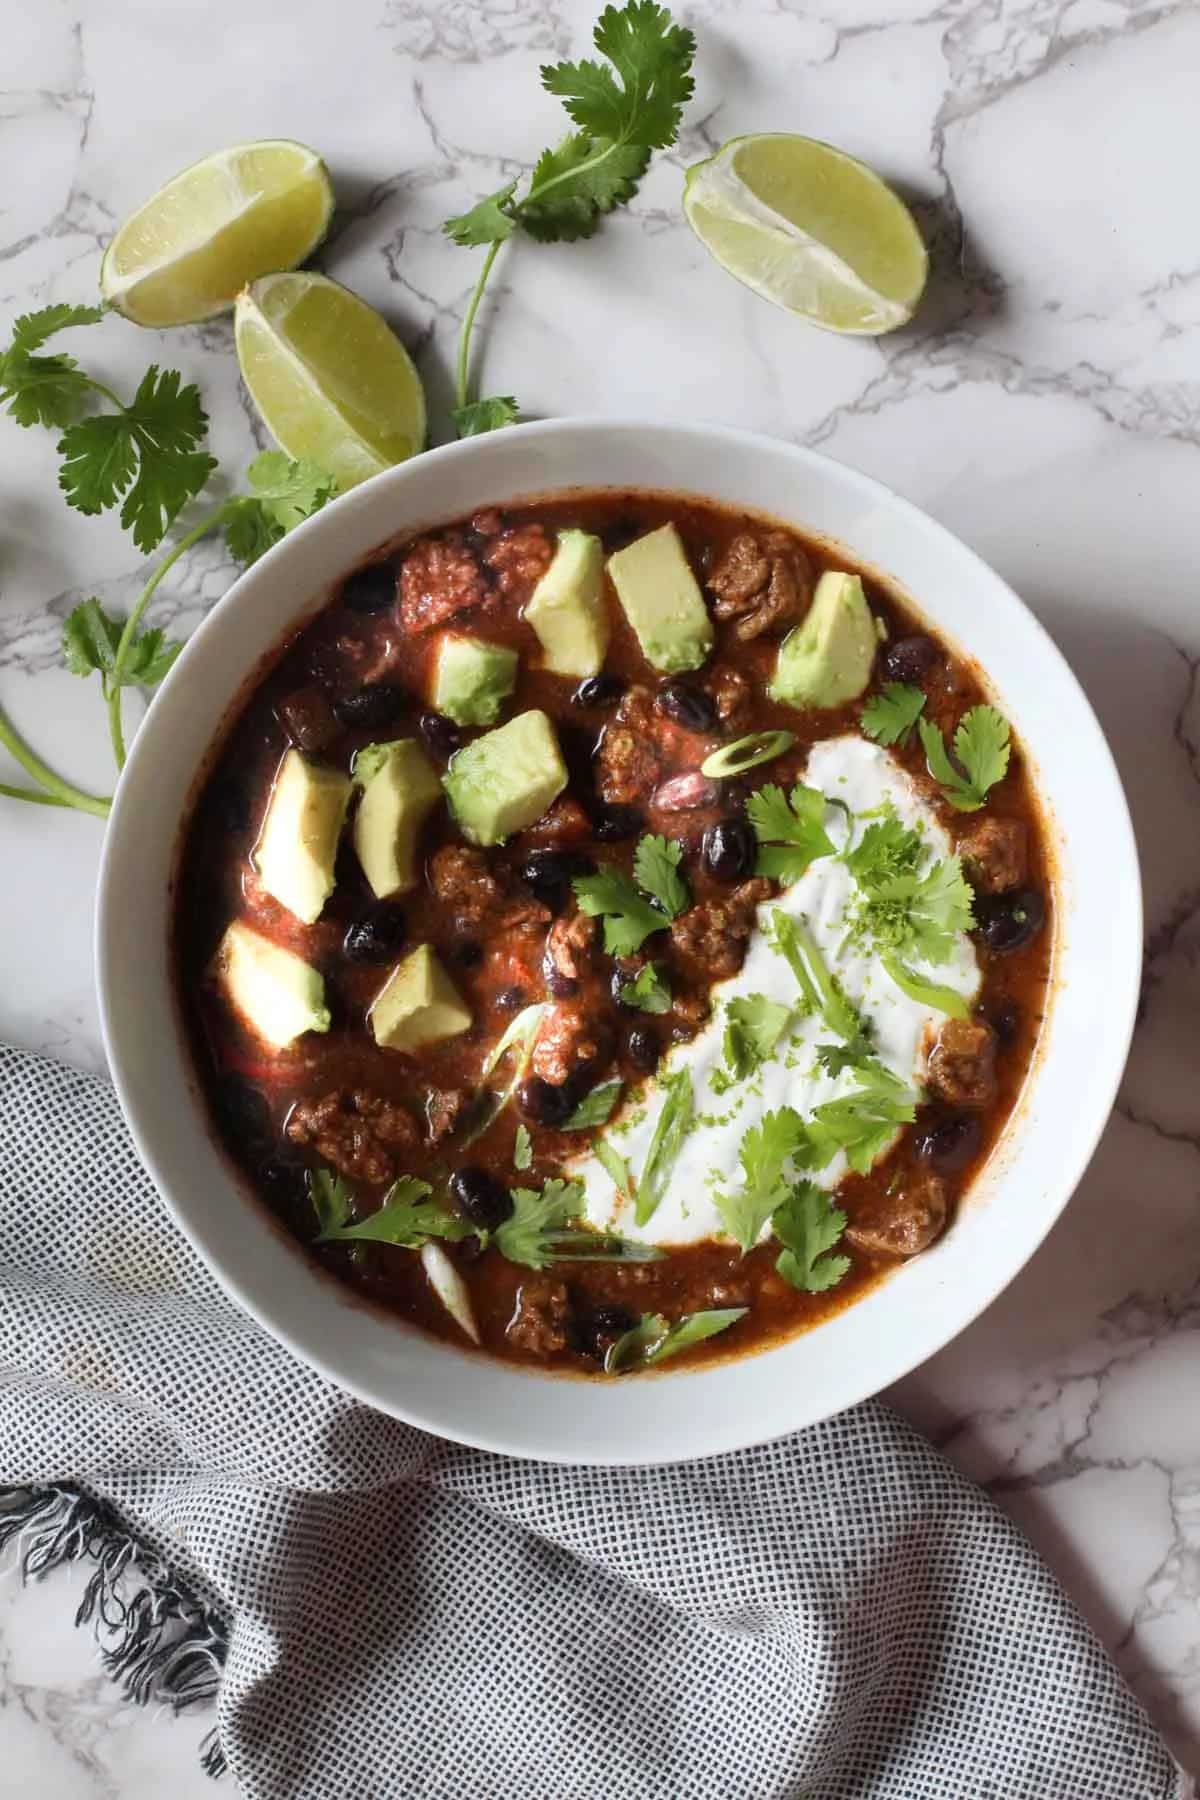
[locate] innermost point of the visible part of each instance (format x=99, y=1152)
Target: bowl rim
x=717, y=1432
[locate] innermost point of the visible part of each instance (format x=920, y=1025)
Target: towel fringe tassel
x=156, y=1640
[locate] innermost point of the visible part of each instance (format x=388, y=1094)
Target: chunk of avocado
x=417, y=1004
x=567, y=608
x=399, y=791
x=827, y=659
x=471, y=679
x=505, y=779
x=662, y=600
x=276, y=992
x=298, y=842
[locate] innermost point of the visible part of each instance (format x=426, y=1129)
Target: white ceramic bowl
x=675, y=1414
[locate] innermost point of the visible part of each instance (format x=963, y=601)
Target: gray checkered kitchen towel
x=380, y=1614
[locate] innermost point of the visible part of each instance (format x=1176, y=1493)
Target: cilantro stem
x=115, y=728
x=20, y=793
x=57, y=792
x=462, y=383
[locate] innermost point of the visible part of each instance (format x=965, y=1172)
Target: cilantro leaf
x=766, y=1149
x=539, y=1231
x=674, y=1123
x=808, y=1225
x=648, y=991
x=982, y=747
x=594, y=1108
x=790, y=829
x=143, y=455
x=889, y=716
x=44, y=390
x=522, y=1148
x=887, y=848
x=833, y=1058
x=917, y=914
x=406, y=1218
x=332, y=1200
x=31, y=330
x=656, y=865
x=284, y=491
x=753, y=1027
x=488, y=222
x=629, y=918
x=90, y=639
x=864, y=1122
x=654, y=1338
x=485, y=415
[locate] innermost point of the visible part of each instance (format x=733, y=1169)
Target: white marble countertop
x=1045, y=405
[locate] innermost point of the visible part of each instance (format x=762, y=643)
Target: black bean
x=689, y=706
x=611, y=1321
x=951, y=1143
x=377, y=936
x=479, y=1197
x=244, y=1112
x=377, y=703
x=603, y=1325
x=613, y=823
x=642, y=1049
x=544, y=1103
x=369, y=590
x=467, y=952
x=730, y=850
x=599, y=690
x=910, y=658
x=549, y=874
x=1009, y=921
x=440, y=736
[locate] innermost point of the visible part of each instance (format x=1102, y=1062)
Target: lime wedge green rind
x=329, y=377
x=810, y=229
x=189, y=250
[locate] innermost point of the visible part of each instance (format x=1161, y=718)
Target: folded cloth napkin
x=380, y=1614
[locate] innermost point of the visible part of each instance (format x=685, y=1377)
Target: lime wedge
x=188, y=252
x=810, y=228
x=328, y=375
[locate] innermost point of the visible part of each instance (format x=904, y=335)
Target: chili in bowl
x=612, y=924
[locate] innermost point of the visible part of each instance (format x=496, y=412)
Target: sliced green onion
x=797, y=945
x=655, y=1338
x=614, y=1163
x=746, y=753
x=926, y=993
x=674, y=1123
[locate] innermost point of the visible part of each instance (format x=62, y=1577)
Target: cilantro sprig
x=753, y=1027
x=623, y=109
x=648, y=991
x=790, y=829
x=863, y=1122
x=406, y=1218
x=981, y=746
x=809, y=1225
x=143, y=456
x=779, y=1138
x=910, y=914
x=633, y=909
x=543, y=1230
x=890, y=715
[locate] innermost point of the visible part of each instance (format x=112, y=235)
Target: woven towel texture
x=838, y=1615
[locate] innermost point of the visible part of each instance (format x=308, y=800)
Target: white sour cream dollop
x=864, y=778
